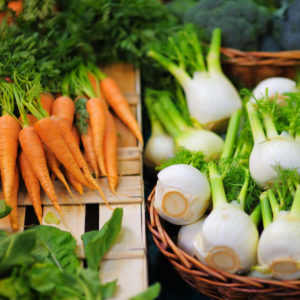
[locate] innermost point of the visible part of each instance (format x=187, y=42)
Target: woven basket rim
x=195, y=268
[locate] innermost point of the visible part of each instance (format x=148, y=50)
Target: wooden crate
x=126, y=261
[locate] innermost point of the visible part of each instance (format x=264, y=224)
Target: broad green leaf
x=15, y=250
x=97, y=243
x=56, y=246
x=108, y=289
x=4, y=209
x=90, y=281
x=44, y=277
x=150, y=294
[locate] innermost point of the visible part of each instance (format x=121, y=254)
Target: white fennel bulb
x=187, y=234
x=182, y=194
x=275, y=85
x=279, y=244
x=211, y=97
x=270, y=151
x=228, y=239
x=159, y=148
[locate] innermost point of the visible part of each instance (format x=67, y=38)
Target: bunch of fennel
x=279, y=243
x=160, y=146
x=185, y=136
x=211, y=97
x=271, y=148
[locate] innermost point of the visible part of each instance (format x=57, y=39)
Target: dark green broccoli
x=286, y=25
x=242, y=22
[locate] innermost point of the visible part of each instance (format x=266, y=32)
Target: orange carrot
x=33, y=149
x=49, y=133
x=16, y=6
x=97, y=115
x=88, y=144
x=95, y=84
x=47, y=100
x=75, y=135
x=32, y=185
x=64, y=107
x=76, y=185
x=13, y=216
x=110, y=151
x=54, y=166
x=118, y=102
x=31, y=119
x=9, y=141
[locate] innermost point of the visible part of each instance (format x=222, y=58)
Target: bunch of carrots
x=49, y=139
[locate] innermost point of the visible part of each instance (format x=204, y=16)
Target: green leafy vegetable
x=4, y=209
x=150, y=294
x=97, y=243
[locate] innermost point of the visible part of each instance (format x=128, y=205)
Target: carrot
x=64, y=107
x=95, y=84
x=75, y=150
x=9, y=141
x=76, y=185
x=13, y=216
x=32, y=185
x=54, y=166
x=31, y=119
x=75, y=135
x=33, y=149
x=47, y=100
x=97, y=115
x=118, y=102
x=16, y=6
x=51, y=136
x=110, y=151
x=88, y=144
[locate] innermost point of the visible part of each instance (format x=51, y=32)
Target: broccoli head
x=242, y=22
x=286, y=25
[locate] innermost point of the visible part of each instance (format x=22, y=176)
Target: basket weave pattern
x=213, y=283
x=253, y=66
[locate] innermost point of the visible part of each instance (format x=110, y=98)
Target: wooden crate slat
x=130, y=242
x=131, y=274
x=129, y=167
x=73, y=221
x=129, y=153
x=5, y=222
x=129, y=189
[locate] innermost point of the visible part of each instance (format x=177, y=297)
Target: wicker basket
x=213, y=283
x=252, y=67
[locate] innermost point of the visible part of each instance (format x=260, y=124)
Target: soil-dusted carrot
x=118, y=102
x=32, y=185
x=9, y=141
x=110, y=152
x=13, y=216
x=47, y=100
x=88, y=144
x=97, y=115
x=54, y=166
x=64, y=107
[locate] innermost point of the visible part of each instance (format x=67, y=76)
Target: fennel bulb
x=193, y=139
x=182, y=194
x=228, y=239
x=187, y=234
x=160, y=146
x=211, y=97
x=279, y=244
x=275, y=85
x=270, y=151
